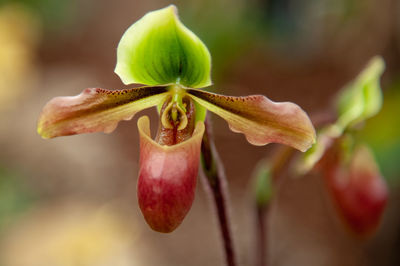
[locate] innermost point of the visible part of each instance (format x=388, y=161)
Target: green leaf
x=362, y=98
x=158, y=49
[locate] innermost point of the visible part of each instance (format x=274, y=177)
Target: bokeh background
x=72, y=201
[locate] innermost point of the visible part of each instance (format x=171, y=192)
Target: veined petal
x=261, y=120
x=167, y=177
x=159, y=49
x=95, y=110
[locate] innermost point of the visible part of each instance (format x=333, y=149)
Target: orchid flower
x=353, y=179
x=173, y=63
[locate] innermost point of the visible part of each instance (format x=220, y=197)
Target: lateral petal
x=95, y=110
x=261, y=120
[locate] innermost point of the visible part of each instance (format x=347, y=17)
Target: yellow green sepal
x=159, y=49
x=362, y=98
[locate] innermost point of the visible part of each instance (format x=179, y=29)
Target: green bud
x=263, y=185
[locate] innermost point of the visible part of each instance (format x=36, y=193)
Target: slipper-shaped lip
x=167, y=177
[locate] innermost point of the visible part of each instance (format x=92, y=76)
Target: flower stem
x=215, y=182
x=264, y=197
x=261, y=235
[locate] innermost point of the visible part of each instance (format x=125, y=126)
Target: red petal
x=360, y=192
x=167, y=178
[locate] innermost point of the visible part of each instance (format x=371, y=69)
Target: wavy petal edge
x=261, y=120
x=95, y=110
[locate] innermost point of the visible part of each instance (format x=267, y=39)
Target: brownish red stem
x=215, y=182
x=278, y=165
x=261, y=235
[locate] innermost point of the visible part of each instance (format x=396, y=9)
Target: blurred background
x=72, y=201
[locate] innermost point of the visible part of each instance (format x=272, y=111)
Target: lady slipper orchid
x=355, y=184
x=173, y=63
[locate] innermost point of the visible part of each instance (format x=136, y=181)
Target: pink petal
x=261, y=120
x=167, y=178
x=95, y=110
x=359, y=191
